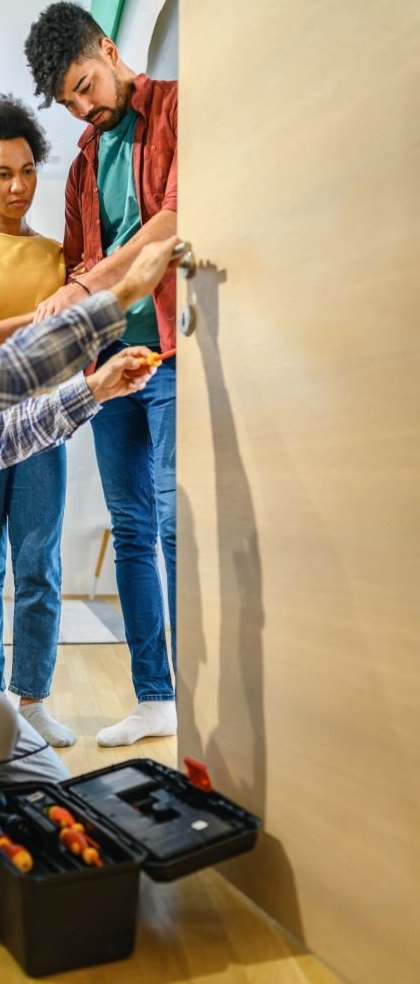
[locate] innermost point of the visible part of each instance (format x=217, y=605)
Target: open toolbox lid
x=176, y=823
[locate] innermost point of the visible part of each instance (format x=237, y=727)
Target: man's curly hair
x=64, y=33
x=18, y=120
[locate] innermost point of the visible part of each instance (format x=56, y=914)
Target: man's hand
x=146, y=272
x=118, y=376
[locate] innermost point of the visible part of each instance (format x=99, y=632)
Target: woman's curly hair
x=64, y=33
x=18, y=120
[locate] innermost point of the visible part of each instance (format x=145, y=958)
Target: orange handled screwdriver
x=156, y=358
x=81, y=845
x=64, y=819
x=61, y=816
x=153, y=360
x=18, y=855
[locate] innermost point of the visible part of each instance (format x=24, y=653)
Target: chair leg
x=100, y=560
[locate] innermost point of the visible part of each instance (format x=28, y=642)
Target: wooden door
x=299, y=458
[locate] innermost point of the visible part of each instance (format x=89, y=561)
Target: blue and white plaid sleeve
x=44, y=354
x=45, y=421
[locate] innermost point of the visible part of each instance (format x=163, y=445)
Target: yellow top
x=31, y=268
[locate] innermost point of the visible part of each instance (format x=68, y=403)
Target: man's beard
x=114, y=115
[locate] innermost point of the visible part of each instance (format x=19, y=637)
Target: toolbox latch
x=197, y=774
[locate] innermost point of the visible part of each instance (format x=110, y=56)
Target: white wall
x=149, y=25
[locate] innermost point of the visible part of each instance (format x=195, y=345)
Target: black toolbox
x=139, y=816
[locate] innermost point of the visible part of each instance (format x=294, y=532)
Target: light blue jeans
x=135, y=448
x=32, y=498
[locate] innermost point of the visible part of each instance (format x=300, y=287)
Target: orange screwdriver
x=18, y=855
x=153, y=360
x=156, y=358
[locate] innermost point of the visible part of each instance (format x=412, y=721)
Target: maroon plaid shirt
x=155, y=174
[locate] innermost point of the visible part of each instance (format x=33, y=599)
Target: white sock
x=50, y=730
x=151, y=719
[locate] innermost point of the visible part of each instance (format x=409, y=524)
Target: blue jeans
x=135, y=448
x=32, y=498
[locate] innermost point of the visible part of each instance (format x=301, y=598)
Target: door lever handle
x=187, y=264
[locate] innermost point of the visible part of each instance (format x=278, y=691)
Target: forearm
x=45, y=421
x=105, y=273
x=46, y=353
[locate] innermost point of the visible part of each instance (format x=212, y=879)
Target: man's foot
x=151, y=719
x=50, y=730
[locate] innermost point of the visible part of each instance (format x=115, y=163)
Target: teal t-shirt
x=120, y=217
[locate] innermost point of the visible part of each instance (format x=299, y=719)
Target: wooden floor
x=198, y=929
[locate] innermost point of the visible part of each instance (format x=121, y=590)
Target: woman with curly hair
x=32, y=492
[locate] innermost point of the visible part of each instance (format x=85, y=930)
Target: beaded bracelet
x=79, y=284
